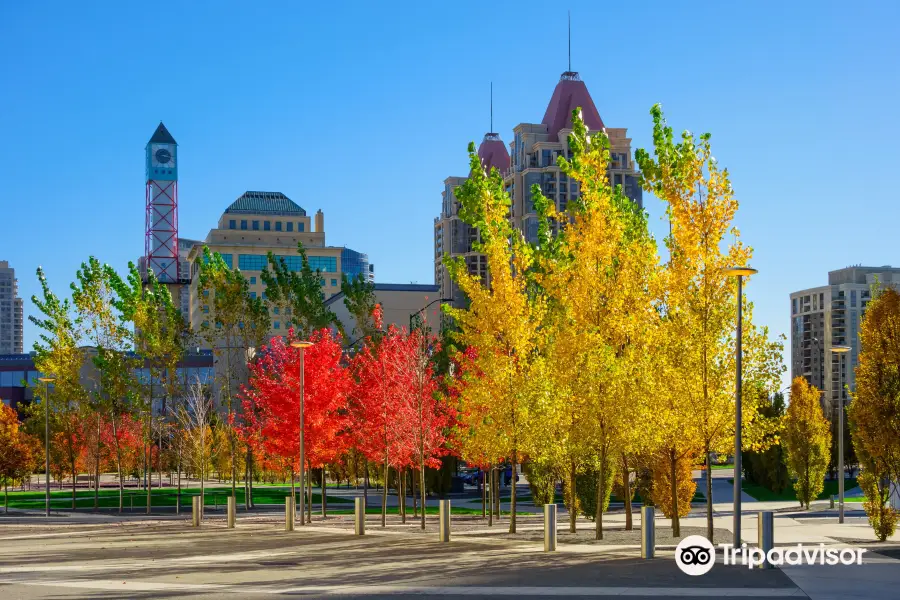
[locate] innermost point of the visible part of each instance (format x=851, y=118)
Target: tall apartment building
x=830, y=315
x=532, y=160
x=11, y=312
x=251, y=227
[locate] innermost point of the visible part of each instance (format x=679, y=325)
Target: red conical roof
x=493, y=153
x=569, y=94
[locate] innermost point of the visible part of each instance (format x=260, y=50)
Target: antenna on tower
x=492, y=107
x=570, y=40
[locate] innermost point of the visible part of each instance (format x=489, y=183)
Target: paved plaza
x=105, y=555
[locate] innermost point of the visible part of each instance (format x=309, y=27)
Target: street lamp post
x=302, y=345
x=740, y=273
x=47, y=381
x=839, y=350
x=424, y=308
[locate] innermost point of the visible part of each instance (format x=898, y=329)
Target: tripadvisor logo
x=695, y=555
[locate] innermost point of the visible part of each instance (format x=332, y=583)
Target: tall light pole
x=840, y=350
x=302, y=345
x=740, y=273
x=47, y=381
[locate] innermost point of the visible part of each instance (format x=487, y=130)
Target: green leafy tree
x=94, y=298
x=298, y=294
x=359, y=298
x=57, y=353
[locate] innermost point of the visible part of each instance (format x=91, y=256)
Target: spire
x=570, y=41
x=492, y=107
x=162, y=136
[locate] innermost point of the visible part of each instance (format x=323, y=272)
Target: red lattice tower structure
x=161, y=232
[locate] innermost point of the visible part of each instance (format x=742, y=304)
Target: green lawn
x=109, y=498
x=698, y=497
x=765, y=495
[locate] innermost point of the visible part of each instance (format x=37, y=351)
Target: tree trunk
x=512, y=496
x=401, y=494
x=97, y=468
x=308, y=493
x=365, y=484
x=294, y=494
x=178, y=474
x=709, y=498
x=483, y=496
x=74, y=482
x=491, y=495
x=626, y=487
x=573, y=498
x=384, y=495
x=601, y=495
x=149, y=471
x=324, y=493
x=676, y=521
x=119, y=466
x=422, y=492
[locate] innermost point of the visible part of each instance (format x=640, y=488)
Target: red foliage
x=271, y=403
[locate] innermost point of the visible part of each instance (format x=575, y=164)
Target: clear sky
x=363, y=109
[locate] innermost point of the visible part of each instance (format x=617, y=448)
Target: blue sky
x=362, y=110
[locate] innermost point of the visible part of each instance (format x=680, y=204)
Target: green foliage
x=586, y=486
x=298, y=293
x=766, y=468
x=359, y=298
x=542, y=481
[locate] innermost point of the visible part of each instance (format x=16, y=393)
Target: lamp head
x=840, y=349
x=740, y=271
x=46, y=379
x=301, y=344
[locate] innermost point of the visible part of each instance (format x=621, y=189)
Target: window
x=290, y=226
x=243, y=224
x=299, y=226
x=267, y=225
x=277, y=225
x=206, y=323
x=253, y=281
x=255, y=225
x=852, y=298
x=276, y=325
x=206, y=293
x=334, y=282
x=232, y=224
x=793, y=306
x=256, y=262
x=276, y=310
x=253, y=295
x=205, y=310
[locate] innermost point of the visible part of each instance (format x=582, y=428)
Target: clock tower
x=161, y=237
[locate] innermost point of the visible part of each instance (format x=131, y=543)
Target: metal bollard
x=231, y=511
x=444, y=509
x=289, y=513
x=766, y=534
x=359, y=512
x=648, y=532
x=195, y=511
x=549, y=527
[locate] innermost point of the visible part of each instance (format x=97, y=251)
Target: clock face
x=162, y=156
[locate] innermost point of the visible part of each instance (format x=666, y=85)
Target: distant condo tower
x=161, y=237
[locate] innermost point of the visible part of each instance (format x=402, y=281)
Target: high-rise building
x=828, y=316
x=261, y=222
x=534, y=151
x=10, y=311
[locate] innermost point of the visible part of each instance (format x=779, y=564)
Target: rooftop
x=162, y=136
x=570, y=93
x=265, y=203
x=493, y=153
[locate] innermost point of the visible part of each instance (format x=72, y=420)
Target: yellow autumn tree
x=595, y=263
x=500, y=324
x=806, y=439
x=699, y=307
x=874, y=412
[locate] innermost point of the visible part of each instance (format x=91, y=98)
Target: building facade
x=11, y=311
x=828, y=316
x=399, y=302
x=531, y=160
x=254, y=225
